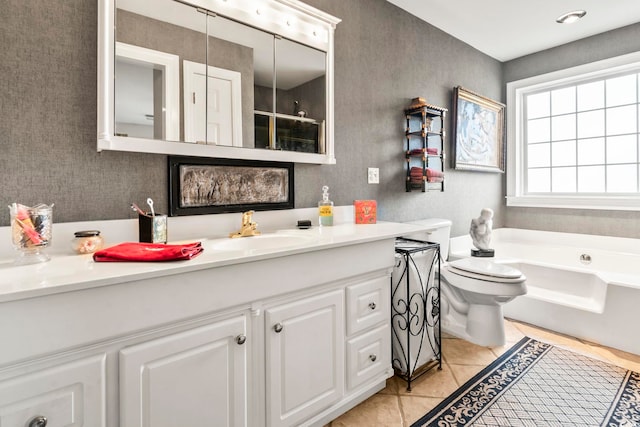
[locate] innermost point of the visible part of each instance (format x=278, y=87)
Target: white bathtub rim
x=460, y=248
x=623, y=245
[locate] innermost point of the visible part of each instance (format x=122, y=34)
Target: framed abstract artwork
x=478, y=132
x=201, y=185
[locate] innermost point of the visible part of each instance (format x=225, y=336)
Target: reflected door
x=212, y=108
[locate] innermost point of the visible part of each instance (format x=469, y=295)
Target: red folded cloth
x=429, y=150
x=433, y=173
x=436, y=179
x=133, y=251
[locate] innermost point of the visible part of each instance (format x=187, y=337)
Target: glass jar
x=87, y=242
x=31, y=229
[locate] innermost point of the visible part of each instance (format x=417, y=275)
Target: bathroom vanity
x=289, y=328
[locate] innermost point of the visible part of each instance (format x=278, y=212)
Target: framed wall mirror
x=216, y=79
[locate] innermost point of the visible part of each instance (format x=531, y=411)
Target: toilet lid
x=487, y=268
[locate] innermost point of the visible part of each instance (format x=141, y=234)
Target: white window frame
x=516, y=93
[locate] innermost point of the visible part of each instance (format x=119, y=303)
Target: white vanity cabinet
x=190, y=378
x=294, y=337
x=304, y=357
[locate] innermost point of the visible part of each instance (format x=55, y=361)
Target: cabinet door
x=68, y=395
x=192, y=378
x=305, y=357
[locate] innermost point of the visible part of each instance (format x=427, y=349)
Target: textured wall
x=609, y=223
x=384, y=58
x=48, y=119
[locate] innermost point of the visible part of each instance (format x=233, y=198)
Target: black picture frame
x=202, y=185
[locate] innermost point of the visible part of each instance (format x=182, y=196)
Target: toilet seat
x=481, y=269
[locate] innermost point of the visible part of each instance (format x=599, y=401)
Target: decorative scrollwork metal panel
x=415, y=312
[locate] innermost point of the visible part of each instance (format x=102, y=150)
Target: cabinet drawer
x=368, y=356
x=67, y=395
x=368, y=303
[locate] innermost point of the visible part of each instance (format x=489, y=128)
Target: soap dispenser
x=325, y=208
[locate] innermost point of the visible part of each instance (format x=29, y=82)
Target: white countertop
x=66, y=272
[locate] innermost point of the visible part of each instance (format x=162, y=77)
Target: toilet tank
x=437, y=231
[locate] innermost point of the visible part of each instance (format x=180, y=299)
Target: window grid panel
x=622, y=125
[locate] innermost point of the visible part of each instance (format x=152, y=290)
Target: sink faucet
x=248, y=228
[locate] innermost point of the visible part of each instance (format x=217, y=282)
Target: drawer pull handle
x=277, y=327
x=373, y=357
x=241, y=339
x=39, y=421
x=372, y=305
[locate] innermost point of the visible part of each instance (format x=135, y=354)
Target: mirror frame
x=290, y=19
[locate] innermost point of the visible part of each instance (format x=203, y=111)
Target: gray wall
x=384, y=58
x=612, y=223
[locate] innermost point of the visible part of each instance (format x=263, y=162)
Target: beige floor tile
x=616, y=357
x=463, y=373
x=414, y=407
x=434, y=383
x=499, y=351
x=550, y=337
x=446, y=335
x=461, y=352
x=511, y=332
x=378, y=410
x=392, y=386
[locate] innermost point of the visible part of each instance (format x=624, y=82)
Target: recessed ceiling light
x=570, y=17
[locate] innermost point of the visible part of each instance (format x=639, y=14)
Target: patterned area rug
x=537, y=384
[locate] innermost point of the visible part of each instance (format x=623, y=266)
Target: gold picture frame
x=478, y=132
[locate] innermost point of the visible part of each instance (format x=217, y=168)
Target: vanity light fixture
x=570, y=17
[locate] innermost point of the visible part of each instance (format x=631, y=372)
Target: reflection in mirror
x=242, y=56
x=146, y=93
x=300, y=97
x=151, y=39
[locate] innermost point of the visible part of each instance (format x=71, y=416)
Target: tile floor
x=394, y=406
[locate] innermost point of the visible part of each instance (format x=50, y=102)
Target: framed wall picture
x=478, y=132
x=201, y=185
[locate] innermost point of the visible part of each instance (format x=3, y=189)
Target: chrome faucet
x=248, y=228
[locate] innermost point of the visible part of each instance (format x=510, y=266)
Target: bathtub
x=580, y=285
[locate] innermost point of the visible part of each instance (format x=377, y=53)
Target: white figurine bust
x=480, y=229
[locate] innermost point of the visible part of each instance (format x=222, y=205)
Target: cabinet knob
x=373, y=357
x=39, y=421
x=372, y=305
x=277, y=327
x=241, y=339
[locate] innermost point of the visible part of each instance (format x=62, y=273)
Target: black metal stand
x=415, y=312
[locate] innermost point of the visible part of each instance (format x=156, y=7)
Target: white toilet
x=473, y=290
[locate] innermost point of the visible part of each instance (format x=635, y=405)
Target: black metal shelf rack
x=415, y=312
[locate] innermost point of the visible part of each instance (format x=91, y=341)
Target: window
x=573, y=137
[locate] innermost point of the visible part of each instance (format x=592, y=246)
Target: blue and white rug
x=536, y=384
